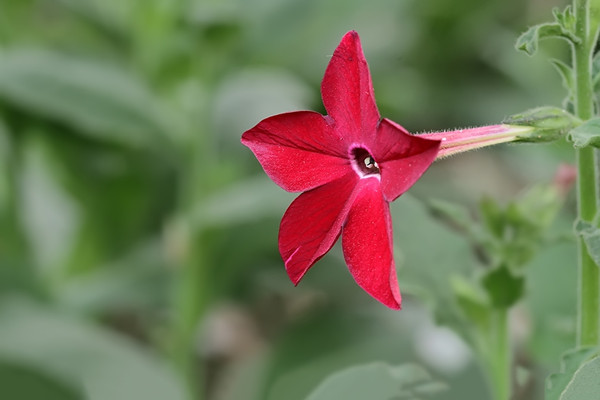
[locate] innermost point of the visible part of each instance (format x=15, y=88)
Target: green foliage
x=585, y=384
x=378, y=382
x=567, y=383
x=473, y=301
x=450, y=253
x=568, y=79
x=94, y=99
x=109, y=366
x=563, y=27
x=503, y=288
x=22, y=382
x=586, y=134
x=591, y=236
x=516, y=231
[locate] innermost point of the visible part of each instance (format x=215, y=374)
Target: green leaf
x=566, y=74
x=591, y=236
x=27, y=383
x=503, y=288
x=585, y=384
x=562, y=27
x=109, y=366
x=528, y=41
x=378, y=381
x=95, y=99
x=570, y=362
x=596, y=70
x=566, y=18
x=586, y=134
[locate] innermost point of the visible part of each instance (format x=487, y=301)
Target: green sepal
x=548, y=123
x=586, y=134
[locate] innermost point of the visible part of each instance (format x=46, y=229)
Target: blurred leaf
x=586, y=134
x=17, y=277
x=242, y=202
x=591, y=237
x=539, y=205
x=49, y=214
x=378, y=382
x=457, y=215
x=109, y=366
x=585, y=384
x=473, y=303
x=503, y=288
x=431, y=255
x=139, y=281
x=516, y=231
x=96, y=99
x=243, y=99
x=26, y=383
x=493, y=216
x=570, y=362
x=102, y=15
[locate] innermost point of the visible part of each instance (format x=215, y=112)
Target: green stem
x=500, y=355
x=589, y=278
x=190, y=303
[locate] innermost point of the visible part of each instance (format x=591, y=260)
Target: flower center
x=364, y=162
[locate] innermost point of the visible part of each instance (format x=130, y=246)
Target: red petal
x=367, y=244
x=312, y=224
x=402, y=157
x=298, y=150
x=347, y=90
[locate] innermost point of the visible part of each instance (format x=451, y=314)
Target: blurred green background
x=138, y=238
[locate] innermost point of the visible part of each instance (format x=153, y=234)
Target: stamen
x=370, y=162
x=364, y=163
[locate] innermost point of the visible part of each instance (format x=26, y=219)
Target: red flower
x=350, y=164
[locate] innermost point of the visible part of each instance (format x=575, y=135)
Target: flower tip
x=295, y=273
x=396, y=305
x=350, y=38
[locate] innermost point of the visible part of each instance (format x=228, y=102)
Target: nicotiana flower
x=350, y=164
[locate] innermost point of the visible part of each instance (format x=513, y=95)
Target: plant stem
x=589, y=277
x=500, y=355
